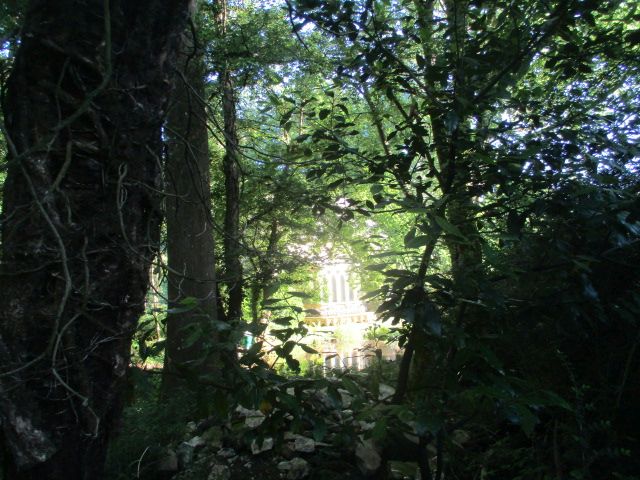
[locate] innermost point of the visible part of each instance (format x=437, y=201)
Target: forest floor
x=244, y=451
x=325, y=436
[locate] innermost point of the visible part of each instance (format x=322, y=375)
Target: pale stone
x=365, y=426
x=219, y=472
x=385, y=392
x=295, y=468
x=191, y=427
x=197, y=442
x=253, y=418
x=368, y=459
x=185, y=453
x=304, y=444
x=267, y=444
x=345, y=397
x=226, y=453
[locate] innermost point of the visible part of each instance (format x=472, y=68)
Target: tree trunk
x=190, y=245
x=232, y=246
x=84, y=108
x=265, y=271
x=231, y=167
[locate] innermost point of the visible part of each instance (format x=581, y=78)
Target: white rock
x=385, y=392
x=197, y=441
x=255, y=421
x=296, y=468
x=185, y=454
x=304, y=444
x=267, y=444
x=365, y=426
x=322, y=396
x=219, y=472
x=253, y=418
x=367, y=457
x=345, y=397
x=191, y=427
x=226, y=452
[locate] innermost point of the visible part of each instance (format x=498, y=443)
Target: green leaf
x=293, y=364
x=428, y=423
x=253, y=352
x=376, y=267
x=300, y=294
x=416, y=242
x=396, y=272
x=287, y=115
x=521, y=415
x=376, y=188
x=379, y=431
x=409, y=236
x=288, y=347
x=308, y=349
x=449, y=227
x=351, y=386
x=271, y=289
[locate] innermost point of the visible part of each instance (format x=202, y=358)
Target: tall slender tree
x=190, y=241
x=233, y=275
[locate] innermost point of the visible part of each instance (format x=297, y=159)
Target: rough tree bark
x=231, y=166
x=190, y=240
x=265, y=271
x=84, y=107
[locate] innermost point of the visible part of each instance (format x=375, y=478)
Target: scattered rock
x=385, y=392
x=346, y=415
x=185, y=453
x=253, y=418
x=197, y=442
x=403, y=470
x=345, y=397
x=365, y=426
x=226, y=453
x=267, y=444
x=322, y=396
x=169, y=462
x=191, y=427
x=295, y=468
x=368, y=459
x=304, y=444
x=219, y=472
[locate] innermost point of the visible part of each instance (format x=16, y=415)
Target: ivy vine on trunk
x=83, y=110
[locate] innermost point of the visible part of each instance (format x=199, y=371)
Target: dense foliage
x=479, y=162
